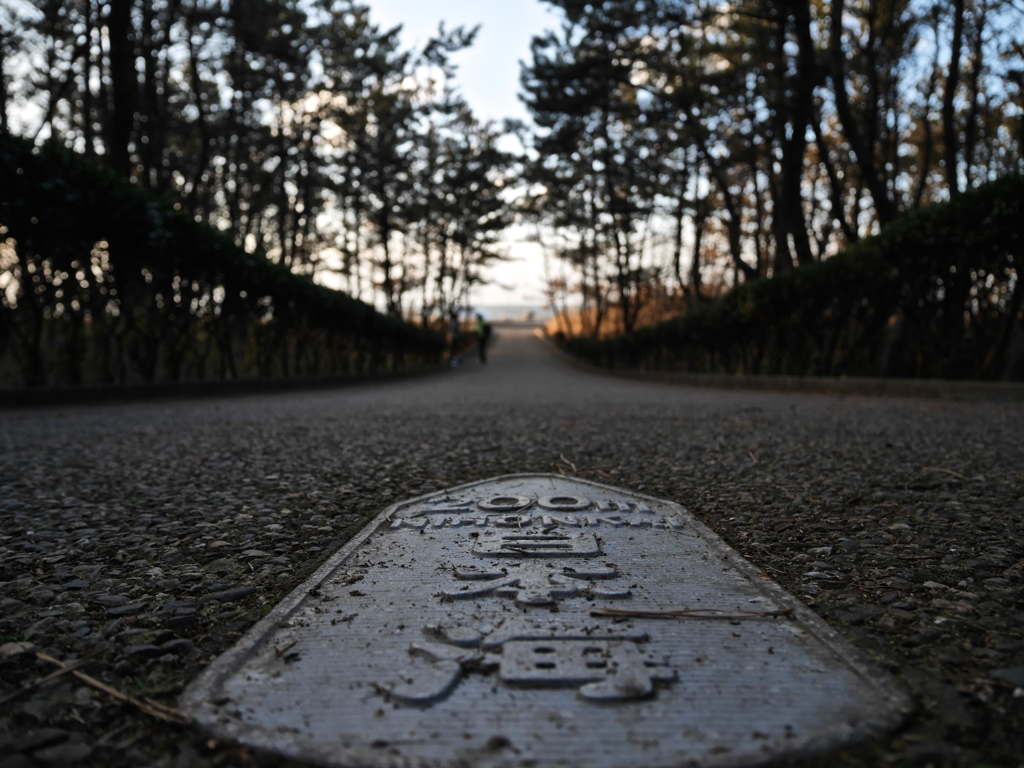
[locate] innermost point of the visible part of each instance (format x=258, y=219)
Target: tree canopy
x=301, y=128
x=679, y=147
x=747, y=138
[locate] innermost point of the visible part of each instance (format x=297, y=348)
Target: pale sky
x=489, y=71
x=488, y=77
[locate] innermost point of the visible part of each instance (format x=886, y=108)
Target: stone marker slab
x=533, y=620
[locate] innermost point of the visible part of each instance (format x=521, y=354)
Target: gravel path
x=150, y=535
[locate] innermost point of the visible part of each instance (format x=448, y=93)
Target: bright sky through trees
x=489, y=79
x=489, y=71
x=680, y=147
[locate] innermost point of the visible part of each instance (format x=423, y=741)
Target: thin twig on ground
x=567, y=462
x=150, y=707
x=943, y=469
x=26, y=687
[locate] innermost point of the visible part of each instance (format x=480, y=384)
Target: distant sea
x=497, y=313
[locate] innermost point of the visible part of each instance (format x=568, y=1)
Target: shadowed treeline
x=937, y=294
x=100, y=282
x=301, y=129
x=687, y=147
x=679, y=149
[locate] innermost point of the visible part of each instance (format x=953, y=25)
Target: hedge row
x=935, y=295
x=102, y=283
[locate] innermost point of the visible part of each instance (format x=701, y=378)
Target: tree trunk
x=124, y=86
x=154, y=111
x=204, y=132
x=974, y=79
x=885, y=207
x=735, y=223
x=794, y=142
x=4, y=97
x=699, y=216
x=949, y=126
x=388, y=282
x=87, y=105
x=836, y=187
x=928, y=140
x=677, y=243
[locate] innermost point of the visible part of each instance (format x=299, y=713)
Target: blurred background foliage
x=679, y=150
x=687, y=147
x=935, y=294
x=109, y=284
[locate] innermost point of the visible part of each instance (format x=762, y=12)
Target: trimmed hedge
x=937, y=294
x=100, y=282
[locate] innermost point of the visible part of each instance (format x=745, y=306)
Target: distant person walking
x=483, y=337
x=453, y=337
